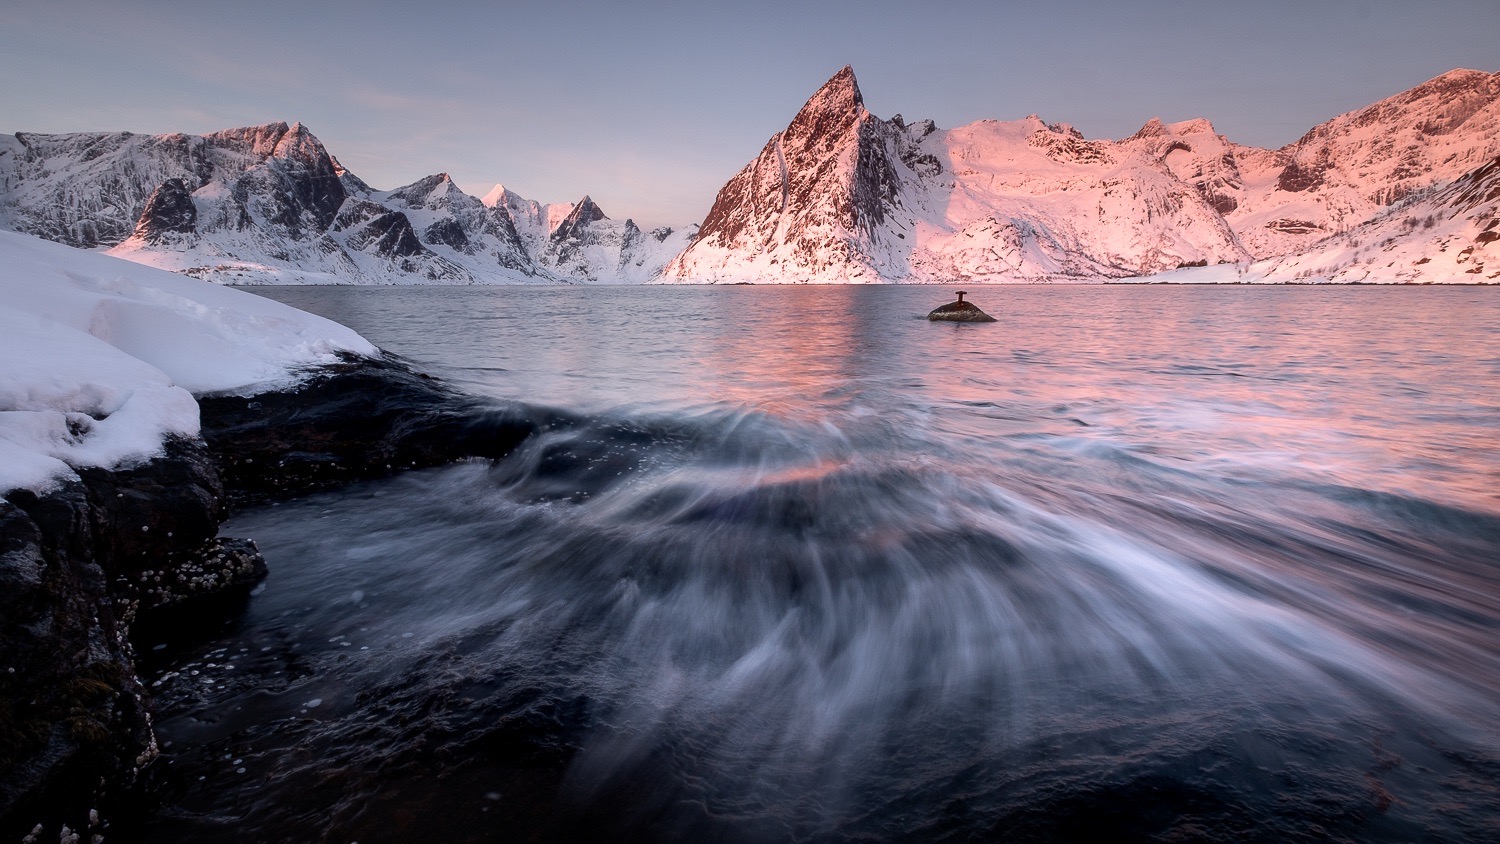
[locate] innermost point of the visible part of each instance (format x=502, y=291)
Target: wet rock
x=137, y=546
x=359, y=419
x=74, y=727
x=959, y=311
x=222, y=566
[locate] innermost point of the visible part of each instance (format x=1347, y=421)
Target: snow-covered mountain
x=578, y=240
x=1342, y=172
x=841, y=195
x=268, y=204
x=1438, y=235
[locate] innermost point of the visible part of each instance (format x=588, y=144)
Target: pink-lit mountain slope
x=843, y=196
x=1438, y=235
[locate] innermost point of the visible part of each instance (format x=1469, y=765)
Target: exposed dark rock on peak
x=378, y=229
x=433, y=192
x=305, y=188
x=833, y=110
x=259, y=141
x=1069, y=147
x=169, y=211
x=449, y=233
x=817, y=187
x=839, y=93
x=572, y=226
x=353, y=185
x=1297, y=177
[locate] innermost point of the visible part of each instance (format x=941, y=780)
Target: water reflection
x=1149, y=563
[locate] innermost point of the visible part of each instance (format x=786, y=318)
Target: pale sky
x=650, y=107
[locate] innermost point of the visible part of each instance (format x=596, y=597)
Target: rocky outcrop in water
x=959, y=311
x=84, y=563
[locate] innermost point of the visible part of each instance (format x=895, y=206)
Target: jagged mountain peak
x=813, y=198
x=437, y=190
x=587, y=211
x=260, y=141
x=497, y=195
x=838, y=100
x=268, y=203
x=841, y=88
x=501, y=196
x=1153, y=128
x=1193, y=126
x=583, y=213
x=300, y=144
x=1435, y=107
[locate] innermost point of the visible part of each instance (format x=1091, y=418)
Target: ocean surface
x=1132, y=563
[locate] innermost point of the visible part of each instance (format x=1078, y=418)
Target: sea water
x=1136, y=563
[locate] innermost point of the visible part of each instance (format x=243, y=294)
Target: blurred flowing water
x=1136, y=563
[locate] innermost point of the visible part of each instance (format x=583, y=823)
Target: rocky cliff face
x=1344, y=171
x=811, y=204
x=841, y=195
x=88, y=190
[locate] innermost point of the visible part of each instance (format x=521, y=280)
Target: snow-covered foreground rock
x=844, y=196
x=135, y=407
x=102, y=357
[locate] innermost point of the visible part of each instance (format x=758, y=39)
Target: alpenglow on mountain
x=840, y=195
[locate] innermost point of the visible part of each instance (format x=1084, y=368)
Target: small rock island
x=960, y=311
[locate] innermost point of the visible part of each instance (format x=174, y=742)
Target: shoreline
x=83, y=564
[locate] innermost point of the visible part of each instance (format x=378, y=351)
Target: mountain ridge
x=839, y=195
x=269, y=204
x=1025, y=200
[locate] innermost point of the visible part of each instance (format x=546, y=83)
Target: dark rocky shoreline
x=83, y=564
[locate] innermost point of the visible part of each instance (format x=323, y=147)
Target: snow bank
x=100, y=358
